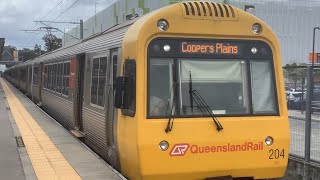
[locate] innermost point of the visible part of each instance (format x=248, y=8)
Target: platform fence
x=302, y=84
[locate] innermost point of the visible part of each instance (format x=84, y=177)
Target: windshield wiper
x=202, y=105
x=190, y=91
x=171, y=119
x=171, y=115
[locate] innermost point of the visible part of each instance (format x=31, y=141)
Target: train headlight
x=164, y=145
x=256, y=28
x=268, y=141
x=163, y=25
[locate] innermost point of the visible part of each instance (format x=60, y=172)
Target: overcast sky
x=17, y=15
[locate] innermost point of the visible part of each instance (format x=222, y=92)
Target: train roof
x=113, y=36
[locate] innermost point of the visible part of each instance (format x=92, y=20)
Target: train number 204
x=276, y=153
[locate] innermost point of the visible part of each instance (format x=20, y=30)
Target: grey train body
x=45, y=80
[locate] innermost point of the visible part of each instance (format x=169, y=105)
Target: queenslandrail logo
x=181, y=149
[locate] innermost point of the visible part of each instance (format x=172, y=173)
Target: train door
x=93, y=104
x=78, y=92
x=111, y=112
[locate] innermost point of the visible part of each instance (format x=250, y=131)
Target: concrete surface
x=87, y=164
x=10, y=162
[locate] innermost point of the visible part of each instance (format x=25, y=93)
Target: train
x=193, y=90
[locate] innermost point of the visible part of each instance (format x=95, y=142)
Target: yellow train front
x=201, y=96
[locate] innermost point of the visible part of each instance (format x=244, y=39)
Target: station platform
x=34, y=146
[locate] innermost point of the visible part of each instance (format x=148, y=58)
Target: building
x=291, y=20
x=9, y=53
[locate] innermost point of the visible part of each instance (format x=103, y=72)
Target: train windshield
x=222, y=84
x=239, y=84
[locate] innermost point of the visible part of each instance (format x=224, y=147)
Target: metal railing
x=304, y=119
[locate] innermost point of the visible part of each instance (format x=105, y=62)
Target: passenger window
x=35, y=75
x=59, y=85
x=54, y=77
x=45, y=84
x=22, y=75
x=115, y=63
x=102, y=80
x=50, y=77
x=29, y=75
x=66, y=76
x=57, y=78
x=94, y=80
x=98, y=80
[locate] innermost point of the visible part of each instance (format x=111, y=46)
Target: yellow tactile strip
x=46, y=159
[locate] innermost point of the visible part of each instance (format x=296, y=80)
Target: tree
x=52, y=42
x=37, y=50
x=26, y=54
x=297, y=73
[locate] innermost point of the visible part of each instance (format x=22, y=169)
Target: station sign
x=316, y=57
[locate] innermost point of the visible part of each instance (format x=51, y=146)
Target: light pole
x=246, y=7
x=309, y=103
x=314, y=40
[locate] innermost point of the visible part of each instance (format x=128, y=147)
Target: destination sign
x=195, y=47
x=209, y=49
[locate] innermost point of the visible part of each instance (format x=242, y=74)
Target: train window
x=66, y=76
x=35, y=75
x=44, y=77
x=102, y=80
x=94, y=80
x=115, y=66
x=263, y=90
x=23, y=74
x=98, y=80
x=29, y=75
x=59, y=81
x=47, y=77
x=50, y=76
x=161, y=80
x=56, y=77
x=54, y=82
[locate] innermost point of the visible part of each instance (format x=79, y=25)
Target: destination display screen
x=206, y=48
x=209, y=47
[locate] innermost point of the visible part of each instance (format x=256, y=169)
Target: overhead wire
x=56, y=17
x=43, y=18
x=52, y=9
